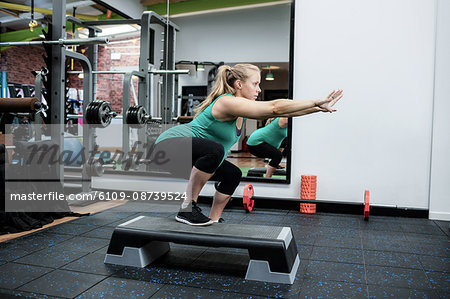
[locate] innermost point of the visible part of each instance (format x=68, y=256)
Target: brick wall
x=109, y=86
x=3, y=64
x=20, y=61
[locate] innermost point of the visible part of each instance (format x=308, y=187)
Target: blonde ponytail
x=269, y=120
x=226, y=76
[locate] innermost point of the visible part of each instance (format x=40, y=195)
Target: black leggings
x=206, y=156
x=285, y=146
x=265, y=150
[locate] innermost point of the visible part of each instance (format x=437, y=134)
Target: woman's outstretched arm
x=236, y=106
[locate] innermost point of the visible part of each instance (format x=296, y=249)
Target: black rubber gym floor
x=342, y=256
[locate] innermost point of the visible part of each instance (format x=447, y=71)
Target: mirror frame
x=287, y=181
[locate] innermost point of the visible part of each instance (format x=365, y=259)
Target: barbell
x=100, y=113
x=61, y=42
x=95, y=167
x=155, y=72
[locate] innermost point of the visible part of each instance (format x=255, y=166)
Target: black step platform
x=261, y=171
x=272, y=249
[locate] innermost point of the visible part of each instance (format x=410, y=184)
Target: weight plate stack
x=136, y=116
x=88, y=112
x=98, y=113
x=105, y=117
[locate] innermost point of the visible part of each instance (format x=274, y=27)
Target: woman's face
x=250, y=88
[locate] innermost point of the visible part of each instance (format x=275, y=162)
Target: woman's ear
x=238, y=84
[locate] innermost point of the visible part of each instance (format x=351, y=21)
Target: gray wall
x=249, y=35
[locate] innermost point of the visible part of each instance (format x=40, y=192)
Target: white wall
x=382, y=54
x=440, y=163
x=249, y=35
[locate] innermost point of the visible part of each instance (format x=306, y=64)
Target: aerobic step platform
x=261, y=171
x=272, y=249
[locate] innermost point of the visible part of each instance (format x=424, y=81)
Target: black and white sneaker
x=193, y=217
x=221, y=220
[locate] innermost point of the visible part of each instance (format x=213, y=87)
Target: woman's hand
x=327, y=103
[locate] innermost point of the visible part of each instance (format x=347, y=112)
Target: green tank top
x=271, y=134
x=205, y=125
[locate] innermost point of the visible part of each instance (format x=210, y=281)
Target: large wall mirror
x=259, y=33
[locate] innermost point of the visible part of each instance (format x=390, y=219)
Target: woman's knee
x=237, y=174
x=276, y=158
x=229, y=183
